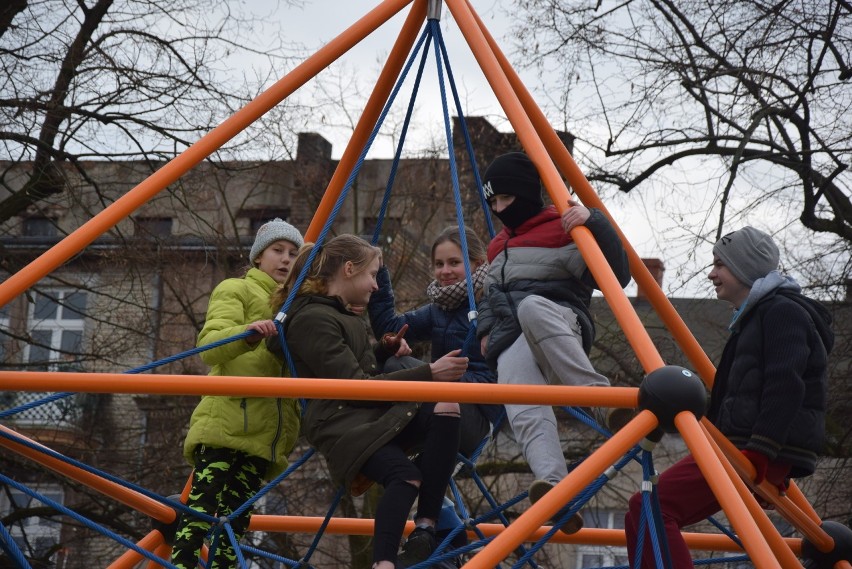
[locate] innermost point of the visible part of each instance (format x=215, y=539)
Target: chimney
x=657, y=268
x=312, y=147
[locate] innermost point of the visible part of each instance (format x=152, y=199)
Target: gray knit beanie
x=749, y=253
x=273, y=231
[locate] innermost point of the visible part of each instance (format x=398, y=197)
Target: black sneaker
x=418, y=547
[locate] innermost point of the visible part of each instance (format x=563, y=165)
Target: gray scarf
x=450, y=297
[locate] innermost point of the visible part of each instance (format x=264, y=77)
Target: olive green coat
x=327, y=341
x=259, y=426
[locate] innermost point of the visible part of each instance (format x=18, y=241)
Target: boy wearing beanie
x=769, y=394
x=534, y=323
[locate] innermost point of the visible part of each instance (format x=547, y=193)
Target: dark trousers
x=224, y=479
x=390, y=466
x=685, y=499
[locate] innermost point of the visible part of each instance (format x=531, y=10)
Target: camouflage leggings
x=224, y=479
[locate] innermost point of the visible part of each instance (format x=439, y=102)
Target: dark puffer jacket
x=447, y=330
x=327, y=341
x=769, y=394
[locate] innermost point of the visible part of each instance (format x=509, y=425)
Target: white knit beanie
x=749, y=254
x=273, y=231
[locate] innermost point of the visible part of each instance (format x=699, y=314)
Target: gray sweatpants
x=550, y=351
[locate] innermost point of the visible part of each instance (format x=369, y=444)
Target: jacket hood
x=777, y=284
x=819, y=314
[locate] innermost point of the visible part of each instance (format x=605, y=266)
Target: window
x=40, y=227
x=33, y=535
x=56, y=330
x=7, y=398
x=151, y=227
x=4, y=328
x=390, y=227
x=55, y=327
x=602, y=556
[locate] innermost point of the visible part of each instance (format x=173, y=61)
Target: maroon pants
x=685, y=499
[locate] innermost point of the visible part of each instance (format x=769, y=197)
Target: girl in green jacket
x=235, y=442
x=371, y=438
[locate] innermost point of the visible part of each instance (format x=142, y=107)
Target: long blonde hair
x=333, y=255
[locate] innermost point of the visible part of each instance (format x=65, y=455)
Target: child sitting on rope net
x=769, y=394
x=444, y=322
x=534, y=322
x=328, y=338
x=234, y=443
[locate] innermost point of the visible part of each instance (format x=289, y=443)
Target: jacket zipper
x=277, y=430
x=245, y=414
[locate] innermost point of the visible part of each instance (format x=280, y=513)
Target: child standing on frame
x=328, y=338
x=235, y=442
x=769, y=394
x=534, y=322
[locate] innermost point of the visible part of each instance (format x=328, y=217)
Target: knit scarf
x=450, y=297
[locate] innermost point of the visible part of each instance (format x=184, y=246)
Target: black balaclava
x=514, y=174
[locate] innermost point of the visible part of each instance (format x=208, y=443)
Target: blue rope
x=236, y=543
x=85, y=521
x=647, y=518
x=263, y=491
x=466, y=135
x=397, y=155
x=435, y=28
x=282, y=314
x=140, y=369
x=8, y=545
x=334, y=503
x=261, y=553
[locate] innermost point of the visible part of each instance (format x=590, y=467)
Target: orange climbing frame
x=713, y=452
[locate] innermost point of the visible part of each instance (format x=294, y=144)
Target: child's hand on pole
x=575, y=215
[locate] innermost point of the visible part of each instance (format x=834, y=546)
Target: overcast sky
x=316, y=22
x=650, y=218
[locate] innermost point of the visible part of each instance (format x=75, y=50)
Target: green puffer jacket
x=258, y=426
x=347, y=433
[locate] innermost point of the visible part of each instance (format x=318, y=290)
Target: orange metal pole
x=206, y=145
x=785, y=556
x=581, y=185
x=124, y=495
x=586, y=536
x=633, y=328
x=363, y=390
x=131, y=559
x=723, y=488
x=579, y=478
x=794, y=493
x=163, y=552
x=378, y=98
x=800, y=519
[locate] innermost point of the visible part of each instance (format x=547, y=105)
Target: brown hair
x=333, y=255
x=475, y=249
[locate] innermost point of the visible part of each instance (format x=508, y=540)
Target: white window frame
x=56, y=325
x=35, y=528
x=63, y=412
